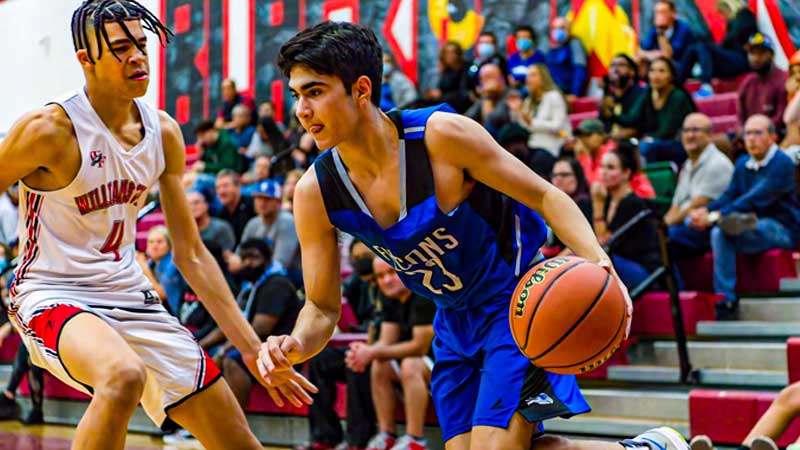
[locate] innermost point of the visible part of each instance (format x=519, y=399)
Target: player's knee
x=124, y=381
x=380, y=370
x=789, y=397
x=412, y=369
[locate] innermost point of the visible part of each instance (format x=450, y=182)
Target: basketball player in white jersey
x=85, y=310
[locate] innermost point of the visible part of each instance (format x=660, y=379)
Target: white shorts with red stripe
x=177, y=367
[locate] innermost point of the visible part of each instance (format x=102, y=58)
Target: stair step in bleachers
x=611, y=426
x=654, y=313
x=710, y=377
x=755, y=273
x=776, y=330
x=724, y=355
x=620, y=357
x=769, y=309
x=727, y=416
x=724, y=124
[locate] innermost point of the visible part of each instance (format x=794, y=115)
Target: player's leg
x=95, y=355
x=214, y=417
x=415, y=378
x=238, y=378
x=382, y=379
x=777, y=418
x=455, y=382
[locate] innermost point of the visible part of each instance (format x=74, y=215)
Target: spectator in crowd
x=35, y=378
x=217, y=150
x=305, y=152
x=658, y=114
x=543, y=113
x=525, y=56
x=704, y=176
x=514, y=138
x=237, y=209
x=397, y=90
x=211, y=228
x=261, y=172
x=230, y=98
x=614, y=203
x=288, y=189
x=567, y=59
x=270, y=304
x=728, y=59
x=268, y=140
x=9, y=215
x=491, y=109
x=568, y=176
x=764, y=91
x=757, y=212
x=273, y=224
x=669, y=36
x=487, y=51
x=157, y=265
x=328, y=368
x=401, y=354
x=242, y=130
x=791, y=116
x=591, y=146
x=621, y=92
x=454, y=83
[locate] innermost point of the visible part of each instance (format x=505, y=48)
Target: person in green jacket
x=217, y=150
x=658, y=114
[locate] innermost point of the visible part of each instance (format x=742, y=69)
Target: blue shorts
x=481, y=378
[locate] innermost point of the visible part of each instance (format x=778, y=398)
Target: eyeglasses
x=562, y=175
x=695, y=130
x=755, y=133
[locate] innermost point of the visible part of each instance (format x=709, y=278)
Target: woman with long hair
x=543, y=112
x=454, y=83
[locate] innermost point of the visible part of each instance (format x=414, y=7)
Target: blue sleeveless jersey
x=460, y=259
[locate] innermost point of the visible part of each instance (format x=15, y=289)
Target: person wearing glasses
x=703, y=178
x=758, y=211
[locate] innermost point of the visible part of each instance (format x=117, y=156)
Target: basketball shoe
x=663, y=438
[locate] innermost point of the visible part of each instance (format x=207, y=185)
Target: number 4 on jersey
x=114, y=239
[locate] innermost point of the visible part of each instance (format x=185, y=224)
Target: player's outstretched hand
x=275, y=353
x=606, y=264
x=287, y=384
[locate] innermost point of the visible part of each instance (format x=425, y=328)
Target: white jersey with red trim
x=78, y=241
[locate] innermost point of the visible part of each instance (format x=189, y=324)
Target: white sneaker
x=664, y=438
x=180, y=436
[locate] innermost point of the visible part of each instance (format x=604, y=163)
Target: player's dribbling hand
x=606, y=264
x=275, y=353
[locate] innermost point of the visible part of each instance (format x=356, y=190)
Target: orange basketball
x=567, y=315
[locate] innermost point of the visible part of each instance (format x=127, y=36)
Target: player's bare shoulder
x=309, y=207
x=41, y=148
x=172, y=139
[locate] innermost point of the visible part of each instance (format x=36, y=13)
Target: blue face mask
x=485, y=49
x=387, y=69
x=524, y=44
x=559, y=35
x=3, y=264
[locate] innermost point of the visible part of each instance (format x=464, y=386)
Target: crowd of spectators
x=240, y=191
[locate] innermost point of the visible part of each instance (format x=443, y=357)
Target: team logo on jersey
x=98, y=158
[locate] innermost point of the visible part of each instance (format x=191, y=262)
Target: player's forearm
x=313, y=329
x=206, y=279
x=570, y=225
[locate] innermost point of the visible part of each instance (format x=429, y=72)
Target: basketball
x=567, y=315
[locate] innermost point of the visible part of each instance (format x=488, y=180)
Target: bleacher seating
x=727, y=416
x=755, y=273
x=576, y=119
x=719, y=104
x=663, y=176
x=583, y=105
x=793, y=359
x=9, y=348
x=654, y=312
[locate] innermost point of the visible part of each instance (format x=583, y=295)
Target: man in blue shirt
x=525, y=56
x=669, y=35
x=566, y=59
x=757, y=212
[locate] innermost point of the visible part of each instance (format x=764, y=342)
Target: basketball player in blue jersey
x=457, y=216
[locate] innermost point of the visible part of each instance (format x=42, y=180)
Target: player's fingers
x=277, y=356
x=304, y=383
x=289, y=395
x=301, y=393
x=275, y=396
x=291, y=344
x=262, y=370
x=265, y=358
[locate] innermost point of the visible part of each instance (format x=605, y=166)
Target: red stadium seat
x=793, y=358
x=583, y=105
x=260, y=402
x=9, y=348
x=653, y=312
x=719, y=104
x=348, y=317
x=576, y=119
x=728, y=84
x=755, y=273
x=727, y=416
x=620, y=358
x=54, y=388
x=724, y=124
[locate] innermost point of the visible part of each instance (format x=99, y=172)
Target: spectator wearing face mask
x=566, y=60
x=621, y=92
x=525, y=56
x=486, y=52
x=397, y=90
